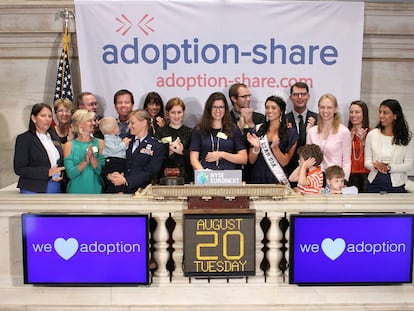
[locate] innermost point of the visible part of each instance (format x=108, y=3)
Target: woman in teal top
x=83, y=157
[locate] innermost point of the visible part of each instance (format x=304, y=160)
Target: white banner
x=190, y=49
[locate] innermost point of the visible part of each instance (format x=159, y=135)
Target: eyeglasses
x=302, y=94
x=67, y=111
x=245, y=96
x=93, y=104
x=218, y=107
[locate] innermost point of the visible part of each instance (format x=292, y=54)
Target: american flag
x=63, y=81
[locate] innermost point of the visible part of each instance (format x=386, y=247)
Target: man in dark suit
x=243, y=115
x=299, y=118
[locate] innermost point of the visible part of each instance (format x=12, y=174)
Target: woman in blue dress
x=216, y=142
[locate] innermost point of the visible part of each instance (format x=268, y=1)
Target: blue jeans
x=52, y=187
x=382, y=183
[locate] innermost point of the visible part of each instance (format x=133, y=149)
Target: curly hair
x=311, y=151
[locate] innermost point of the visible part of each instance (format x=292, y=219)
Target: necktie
x=302, y=131
x=241, y=124
x=135, y=145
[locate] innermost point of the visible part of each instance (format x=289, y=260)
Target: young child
x=114, y=152
x=308, y=174
x=335, y=181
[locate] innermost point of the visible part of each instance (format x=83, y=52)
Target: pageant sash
x=272, y=162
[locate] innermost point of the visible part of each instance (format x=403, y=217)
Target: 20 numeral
x=214, y=244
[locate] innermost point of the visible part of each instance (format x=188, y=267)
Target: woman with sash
x=217, y=143
x=272, y=145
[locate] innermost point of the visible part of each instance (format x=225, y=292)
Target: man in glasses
x=300, y=117
x=87, y=100
x=242, y=114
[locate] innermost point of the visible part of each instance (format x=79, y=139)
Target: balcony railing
x=168, y=280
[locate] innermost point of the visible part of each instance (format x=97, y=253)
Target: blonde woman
x=83, y=157
x=144, y=156
x=331, y=135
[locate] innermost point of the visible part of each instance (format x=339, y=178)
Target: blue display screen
x=351, y=249
x=85, y=249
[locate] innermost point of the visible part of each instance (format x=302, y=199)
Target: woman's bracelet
x=255, y=151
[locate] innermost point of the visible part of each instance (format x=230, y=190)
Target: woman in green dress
x=83, y=157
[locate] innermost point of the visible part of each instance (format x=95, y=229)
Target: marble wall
x=30, y=44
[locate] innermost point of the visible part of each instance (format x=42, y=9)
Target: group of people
x=83, y=153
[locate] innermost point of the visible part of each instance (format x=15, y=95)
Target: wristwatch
x=388, y=168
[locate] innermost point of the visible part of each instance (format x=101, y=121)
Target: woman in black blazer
x=38, y=155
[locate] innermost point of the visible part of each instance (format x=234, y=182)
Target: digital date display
x=219, y=244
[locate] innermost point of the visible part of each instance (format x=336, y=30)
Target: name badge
x=94, y=149
x=147, y=150
x=221, y=135
x=166, y=140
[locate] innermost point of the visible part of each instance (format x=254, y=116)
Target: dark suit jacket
x=31, y=162
x=257, y=117
x=144, y=164
x=291, y=118
x=293, y=163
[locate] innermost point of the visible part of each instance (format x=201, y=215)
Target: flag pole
x=66, y=15
x=63, y=87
